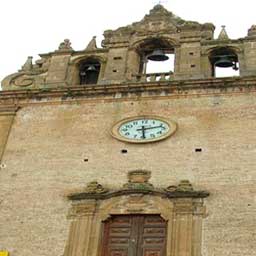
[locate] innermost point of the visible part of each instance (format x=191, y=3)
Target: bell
x=158, y=55
x=224, y=62
x=91, y=68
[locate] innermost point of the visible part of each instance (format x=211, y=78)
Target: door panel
x=117, y=236
x=134, y=235
x=153, y=237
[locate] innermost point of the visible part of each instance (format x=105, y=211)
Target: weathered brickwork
x=48, y=145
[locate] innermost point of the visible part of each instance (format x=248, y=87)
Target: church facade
x=100, y=156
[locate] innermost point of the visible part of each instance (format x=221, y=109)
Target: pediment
x=158, y=21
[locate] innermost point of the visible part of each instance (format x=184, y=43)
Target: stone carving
x=159, y=12
x=40, y=66
x=159, y=22
x=184, y=206
x=81, y=209
x=92, y=45
x=23, y=80
x=223, y=34
x=252, y=31
x=40, y=63
x=30, y=75
x=138, y=179
x=28, y=65
x=184, y=186
x=171, y=188
x=183, y=213
x=138, y=184
x=95, y=188
x=139, y=176
x=65, y=46
x=26, y=78
x=134, y=203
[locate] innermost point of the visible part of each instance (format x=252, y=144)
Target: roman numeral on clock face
x=143, y=129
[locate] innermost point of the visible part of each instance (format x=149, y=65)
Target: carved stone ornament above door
x=180, y=206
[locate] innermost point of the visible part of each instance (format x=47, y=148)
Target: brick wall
x=54, y=148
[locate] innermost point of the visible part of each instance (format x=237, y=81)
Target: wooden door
x=134, y=235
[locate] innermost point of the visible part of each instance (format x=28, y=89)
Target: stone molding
x=115, y=91
x=182, y=208
x=8, y=110
x=7, y=115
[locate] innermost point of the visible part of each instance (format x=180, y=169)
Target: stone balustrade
x=152, y=77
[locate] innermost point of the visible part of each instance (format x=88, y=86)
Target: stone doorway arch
x=181, y=207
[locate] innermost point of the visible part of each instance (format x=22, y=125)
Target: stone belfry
x=102, y=153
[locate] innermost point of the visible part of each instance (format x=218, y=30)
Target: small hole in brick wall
x=114, y=70
x=132, y=103
x=124, y=151
x=117, y=58
x=193, y=66
x=249, y=204
x=86, y=160
x=191, y=53
x=198, y=150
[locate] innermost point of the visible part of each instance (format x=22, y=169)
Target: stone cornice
x=73, y=52
x=161, y=193
x=137, y=184
x=8, y=110
x=128, y=90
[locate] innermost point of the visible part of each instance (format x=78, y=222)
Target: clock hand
x=153, y=127
x=147, y=128
x=143, y=132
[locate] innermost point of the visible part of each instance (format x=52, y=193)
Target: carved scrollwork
x=95, y=188
x=22, y=80
x=138, y=184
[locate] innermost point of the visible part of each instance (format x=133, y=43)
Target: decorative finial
x=223, y=34
x=252, y=31
x=160, y=2
x=92, y=44
x=28, y=65
x=65, y=45
x=95, y=188
x=185, y=186
x=138, y=179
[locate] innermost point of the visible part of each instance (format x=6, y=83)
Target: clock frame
x=115, y=131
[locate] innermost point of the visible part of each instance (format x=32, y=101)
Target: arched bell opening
x=224, y=62
x=157, y=56
x=89, y=71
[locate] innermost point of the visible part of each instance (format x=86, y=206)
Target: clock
x=143, y=129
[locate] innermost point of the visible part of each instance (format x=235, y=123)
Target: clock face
x=143, y=129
